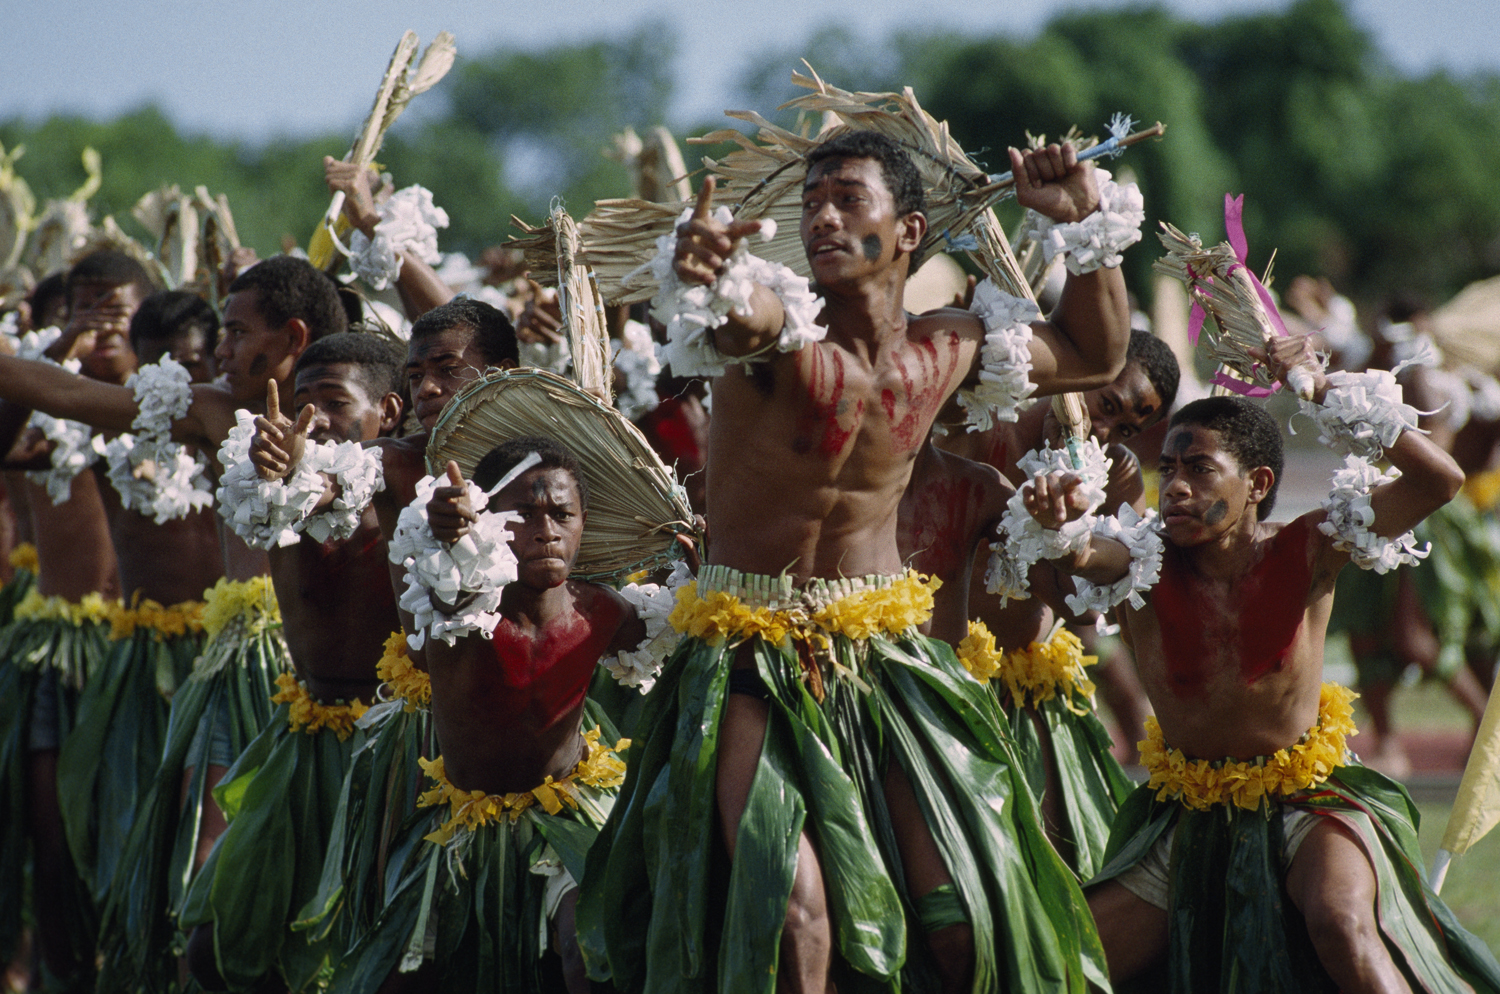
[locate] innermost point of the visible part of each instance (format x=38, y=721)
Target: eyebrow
x=809, y=183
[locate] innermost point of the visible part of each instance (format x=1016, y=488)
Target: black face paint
x=872, y=246
x=1217, y=513
x=1183, y=442
x=258, y=365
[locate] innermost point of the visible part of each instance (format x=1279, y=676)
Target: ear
x=507, y=364
x=391, y=408
x=910, y=231
x=298, y=336
x=1262, y=478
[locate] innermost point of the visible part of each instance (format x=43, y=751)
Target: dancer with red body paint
x=1204, y=858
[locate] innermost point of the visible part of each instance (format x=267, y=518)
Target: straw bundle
x=635, y=505
x=657, y=171
x=556, y=249
x=1218, y=282
x=194, y=234
x=1467, y=328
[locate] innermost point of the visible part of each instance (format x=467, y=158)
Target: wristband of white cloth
x=156, y=479
x=72, y=453
x=468, y=576
x=163, y=394
x=1141, y=535
x=265, y=513
x=1025, y=542
x=359, y=473
x=653, y=603
x=1005, y=358
x=1362, y=413
x=1350, y=516
x=692, y=311
x=1098, y=240
x=408, y=224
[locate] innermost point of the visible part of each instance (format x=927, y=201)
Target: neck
x=535, y=606
x=869, y=310
x=1230, y=554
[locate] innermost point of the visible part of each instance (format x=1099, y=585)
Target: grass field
x=1472, y=889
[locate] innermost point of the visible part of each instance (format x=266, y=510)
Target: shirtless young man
x=809, y=453
x=337, y=608
x=1229, y=644
x=510, y=715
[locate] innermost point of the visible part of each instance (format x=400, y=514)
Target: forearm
x=1092, y=323
x=44, y=387
x=1429, y=479
x=420, y=288
x=1102, y=561
x=755, y=329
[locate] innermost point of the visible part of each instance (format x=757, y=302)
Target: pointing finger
x=273, y=399
x=704, y=208
x=304, y=420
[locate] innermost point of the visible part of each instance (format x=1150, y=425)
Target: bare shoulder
x=991, y=486
x=210, y=416
x=404, y=461
x=964, y=323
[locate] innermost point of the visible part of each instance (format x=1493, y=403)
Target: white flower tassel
x=265, y=513
x=359, y=473
x=1005, y=358
x=1099, y=239
x=692, y=311
x=408, y=224
x=639, y=667
x=1025, y=542
x=1138, y=533
x=72, y=453
x=1350, y=517
x=470, y=574
x=154, y=475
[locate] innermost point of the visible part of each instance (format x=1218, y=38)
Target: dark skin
x=810, y=453
x=1230, y=650
x=508, y=712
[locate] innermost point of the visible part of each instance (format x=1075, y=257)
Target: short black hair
x=1245, y=431
x=896, y=165
x=171, y=313
x=47, y=293
x=1158, y=362
x=289, y=288
x=381, y=366
x=503, y=457
x=112, y=267
x=493, y=332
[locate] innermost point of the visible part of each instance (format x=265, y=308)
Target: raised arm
x=1053, y=500
x=704, y=247
x=42, y=386
x=1082, y=345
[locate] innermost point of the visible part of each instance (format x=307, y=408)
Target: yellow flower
x=720, y=615
x=469, y=809
x=309, y=716
x=164, y=622
x=91, y=609
x=24, y=557
x=1041, y=671
x=403, y=679
x=252, y=601
x=1200, y=784
x=978, y=654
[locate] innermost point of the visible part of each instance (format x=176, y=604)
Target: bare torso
x=507, y=711
x=168, y=563
x=810, y=452
x=1233, y=669
x=72, y=542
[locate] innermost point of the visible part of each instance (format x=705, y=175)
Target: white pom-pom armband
x=1099, y=239
x=359, y=473
x=468, y=576
x=154, y=475
x=1362, y=413
x=653, y=603
x=1350, y=516
x=1141, y=535
x=692, y=311
x=265, y=513
x=1024, y=542
x=1005, y=358
x=408, y=224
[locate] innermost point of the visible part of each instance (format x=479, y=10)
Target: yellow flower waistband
x=725, y=603
x=1043, y=670
x=251, y=601
x=1201, y=783
x=24, y=557
x=309, y=716
x=402, y=679
x=91, y=608
x=163, y=622
x=469, y=809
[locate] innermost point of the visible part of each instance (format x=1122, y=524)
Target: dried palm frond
x=554, y=252
x=17, y=208
x=657, y=171
x=1467, y=328
x=635, y=504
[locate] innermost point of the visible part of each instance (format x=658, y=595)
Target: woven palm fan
x=1218, y=282
x=556, y=249
x=1467, y=328
x=635, y=504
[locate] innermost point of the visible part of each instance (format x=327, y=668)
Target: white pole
x=1439, y=870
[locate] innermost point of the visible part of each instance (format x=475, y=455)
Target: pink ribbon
x=1234, y=225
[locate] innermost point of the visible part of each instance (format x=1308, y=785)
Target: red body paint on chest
x=1258, y=625
x=546, y=676
x=922, y=386
x=941, y=526
x=820, y=417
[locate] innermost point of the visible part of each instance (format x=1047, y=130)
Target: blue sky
x=256, y=69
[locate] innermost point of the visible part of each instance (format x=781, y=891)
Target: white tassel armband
x=1362, y=413
x=408, y=224
x=469, y=575
x=1100, y=239
x=359, y=473
x=653, y=603
x=1005, y=358
x=156, y=479
x=265, y=513
x=1024, y=542
x=692, y=311
x=72, y=453
x=1350, y=517
x=1141, y=535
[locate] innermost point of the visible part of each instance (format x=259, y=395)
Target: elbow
x=1450, y=481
